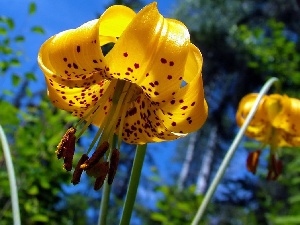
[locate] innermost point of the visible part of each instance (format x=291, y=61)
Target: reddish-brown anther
x=101, y=176
x=252, y=161
x=97, y=155
x=275, y=168
x=114, y=162
x=66, y=142
x=78, y=171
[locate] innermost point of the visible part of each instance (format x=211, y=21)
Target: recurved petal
x=187, y=110
x=73, y=56
x=115, y=20
x=79, y=100
x=245, y=106
x=260, y=126
x=288, y=118
x=151, y=52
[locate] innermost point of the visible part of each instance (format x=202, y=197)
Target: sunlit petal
x=151, y=52
x=187, y=110
x=73, y=56
x=115, y=20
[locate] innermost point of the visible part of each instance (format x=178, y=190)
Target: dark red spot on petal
x=163, y=60
x=125, y=54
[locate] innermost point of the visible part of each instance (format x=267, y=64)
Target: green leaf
x=40, y=218
x=14, y=62
x=3, y=31
x=30, y=76
x=19, y=38
x=33, y=190
x=287, y=220
x=10, y=23
x=16, y=79
x=38, y=30
x=8, y=114
x=32, y=8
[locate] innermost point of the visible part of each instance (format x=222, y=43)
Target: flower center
x=105, y=158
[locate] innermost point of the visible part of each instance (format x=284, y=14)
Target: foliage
x=176, y=207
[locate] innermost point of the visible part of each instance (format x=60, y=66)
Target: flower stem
x=106, y=191
x=133, y=184
x=104, y=203
x=12, y=178
x=231, y=151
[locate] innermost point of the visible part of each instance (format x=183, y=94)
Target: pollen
x=66, y=148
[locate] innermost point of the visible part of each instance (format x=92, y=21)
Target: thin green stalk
x=231, y=151
x=104, y=203
x=133, y=184
x=106, y=191
x=12, y=179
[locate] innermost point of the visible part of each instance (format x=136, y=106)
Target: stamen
x=252, y=161
x=65, y=142
x=97, y=155
x=88, y=117
x=275, y=168
x=114, y=162
x=100, y=179
x=78, y=171
x=97, y=170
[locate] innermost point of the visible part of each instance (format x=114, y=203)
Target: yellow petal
x=187, y=110
x=115, y=20
x=78, y=100
x=73, y=56
x=151, y=52
x=259, y=127
x=288, y=119
x=142, y=124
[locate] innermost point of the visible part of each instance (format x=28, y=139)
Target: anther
x=275, y=168
x=252, y=161
x=98, y=170
x=65, y=142
x=114, y=162
x=78, y=171
x=102, y=175
x=97, y=155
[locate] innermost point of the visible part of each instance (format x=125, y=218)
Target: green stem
x=106, y=191
x=104, y=203
x=133, y=184
x=231, y=151
x=12, y=178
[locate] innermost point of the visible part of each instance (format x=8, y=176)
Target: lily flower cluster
x=276, y=123
x=147, y=88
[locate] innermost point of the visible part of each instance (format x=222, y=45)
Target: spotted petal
x=187, y=110
x=259, y=127
x=151, y=52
